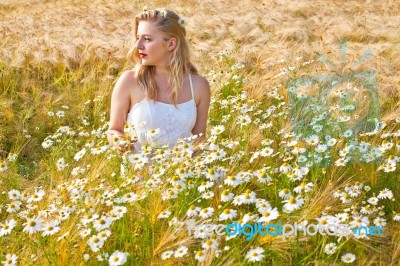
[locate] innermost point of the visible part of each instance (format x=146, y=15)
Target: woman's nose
x=139, y=45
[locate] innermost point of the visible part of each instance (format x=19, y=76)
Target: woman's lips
x=142, y=55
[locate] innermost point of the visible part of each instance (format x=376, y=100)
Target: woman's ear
x=171, y=44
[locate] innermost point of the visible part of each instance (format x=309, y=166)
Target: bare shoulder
x=126, y=84
x=202, y=87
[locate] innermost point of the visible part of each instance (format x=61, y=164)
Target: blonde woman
x=163, y=97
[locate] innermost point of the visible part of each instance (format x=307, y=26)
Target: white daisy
x=164, y=214
x=193, y=211
x=348, y=258
x=167, y=254
x=396, y=217
x=226, y=195
x=330, y=248
x=7, y=227
x=385, y=194
x=102, y=223
x=118, y=258
x=379, y=221
x=228, y=214
x=206, y=212
x=14, y=194
x=37, y=196
x=255, y=254
x=285, y=194
x=200, y=255
x=180, y=252
x=13, y=206
x=293, y=203
x=32, y=225
x=210, y=244
x=182, y=21
x=163, y=12
x=269, y=215
x=11, y=260
x=50, y=228
x=80, y=154
x=95, y=242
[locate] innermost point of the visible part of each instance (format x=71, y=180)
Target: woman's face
x=152, y=48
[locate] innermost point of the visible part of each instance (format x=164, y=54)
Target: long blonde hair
x=179, y=61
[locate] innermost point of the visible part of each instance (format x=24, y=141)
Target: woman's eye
x=146, y=39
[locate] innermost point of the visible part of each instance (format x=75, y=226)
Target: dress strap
x=191, y=85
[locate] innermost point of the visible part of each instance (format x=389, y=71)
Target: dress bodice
x=161, y=123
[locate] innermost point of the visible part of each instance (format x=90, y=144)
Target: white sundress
x=172, y=122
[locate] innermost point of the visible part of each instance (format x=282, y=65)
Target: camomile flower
x=396, y=217
x=95, y=242
x=293, y=203
x=163, y=12
x=200, y=255
x=313, y=140
x=167, y=254
x=359, y=220
x=227, y=214
x=11, y=260
x=118, y=258
x=269, y=215
x=263, y=206
x=14, y=194
x=3, y=166
x=373, y=200
x=345, y=197
x=182, y=21
x=321, y=148
x=342, y=161
x=7, y=227
x=267, y=151
x=37, y=196
x=207, y=195
x=217, y=130
x=206, y=212
x=247, y=197
x=330, y=248
x=379, y=221
x=366, y=209
x=306, y=187
x=180, y=252
x=388, y=167
x=233, y=181
x=226, y=195
x=193, y=211
x=285, y=168
x=154, y=132
x=348, y=258
x=13, y=206
x=80, y=154
x=354, y=192
x=164, y=214
x=255, y=254
x=50, y=228
x=102, y=223
x=385, y=194
x=285, y=193
x=210, y=244
x=32, y=225
x=262, y=176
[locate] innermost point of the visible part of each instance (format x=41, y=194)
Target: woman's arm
x=204, y=94
x=120, y=103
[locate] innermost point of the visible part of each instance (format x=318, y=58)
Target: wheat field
x=303, y=128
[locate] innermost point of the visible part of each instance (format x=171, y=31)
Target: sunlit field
x=304, y=129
